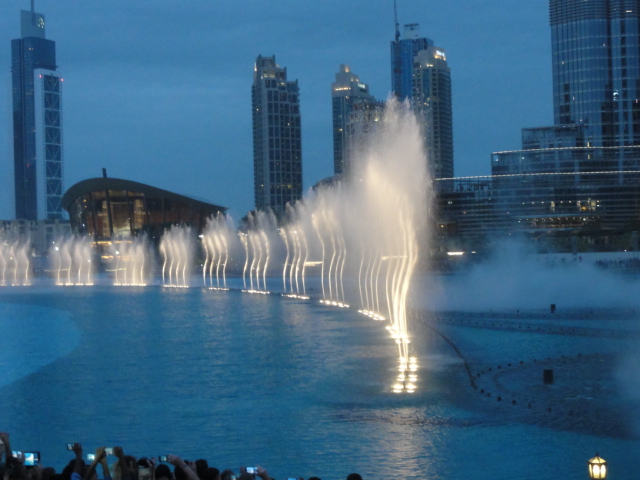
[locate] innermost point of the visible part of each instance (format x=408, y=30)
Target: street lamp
x=597, y=467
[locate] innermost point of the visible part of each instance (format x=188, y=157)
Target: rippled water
x=239, y=379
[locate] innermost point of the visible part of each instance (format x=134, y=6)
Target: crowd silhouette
x=18, y=465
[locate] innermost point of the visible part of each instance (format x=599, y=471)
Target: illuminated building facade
x=355, y=112
x=37, y=122
x=420, y=74
x=277, y=146
x=109, y=209
x=562, y=212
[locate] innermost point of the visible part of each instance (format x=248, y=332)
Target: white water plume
x=216, y=243
x=177, y=252
x=15, y=267
x=133, y=262
x=71, y=261
x=257, y=243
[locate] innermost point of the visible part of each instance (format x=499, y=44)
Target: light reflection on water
x=300, y=388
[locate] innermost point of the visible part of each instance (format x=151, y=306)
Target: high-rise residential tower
x=354, y=112
x=37, y=122
x=431, y=98
x=420, y=75
x=277, y=147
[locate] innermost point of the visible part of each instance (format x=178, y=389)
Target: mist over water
x=597, y=316
x=515, y=278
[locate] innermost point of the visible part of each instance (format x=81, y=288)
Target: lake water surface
x=299, y=388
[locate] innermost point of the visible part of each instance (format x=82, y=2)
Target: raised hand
x=100, y=454
x=77, y=449
x=262, y=473
x=118, y=452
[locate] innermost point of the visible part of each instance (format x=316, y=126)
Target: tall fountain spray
x=364, y=233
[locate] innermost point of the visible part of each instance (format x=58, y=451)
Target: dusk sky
x=160, y=91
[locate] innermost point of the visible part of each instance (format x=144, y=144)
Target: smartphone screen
x=31, y=458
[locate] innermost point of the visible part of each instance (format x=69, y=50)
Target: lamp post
x=597, y=467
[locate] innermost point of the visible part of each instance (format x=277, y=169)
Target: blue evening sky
x=160, y=91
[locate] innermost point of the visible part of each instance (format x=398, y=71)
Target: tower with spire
x=37, y=121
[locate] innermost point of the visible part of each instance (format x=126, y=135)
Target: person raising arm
x=189, y=470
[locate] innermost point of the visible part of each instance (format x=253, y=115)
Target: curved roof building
x=113, y=208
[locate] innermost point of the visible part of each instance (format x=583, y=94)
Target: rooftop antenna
x=33, y=12
x=395, y=19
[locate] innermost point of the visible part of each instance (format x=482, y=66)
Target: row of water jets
x=356, y=241
x=15, y=266
x=69, y=261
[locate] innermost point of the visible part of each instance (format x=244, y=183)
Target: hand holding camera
x=257, y=470
x=176, y=460
x=99, y=455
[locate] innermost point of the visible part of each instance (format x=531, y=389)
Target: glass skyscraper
x=37, y=122
x=277, y=147
x=596, y=69
x=420, y=75
x=595, y=48
x=578, y=179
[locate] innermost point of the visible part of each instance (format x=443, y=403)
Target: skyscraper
x=37, y=122
x=403, y=52
x=277, y=147
x=420, y=75
x=579, y=178
x=431, y=98
x=595, y=47
x=352, y=105
x=596, y=68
